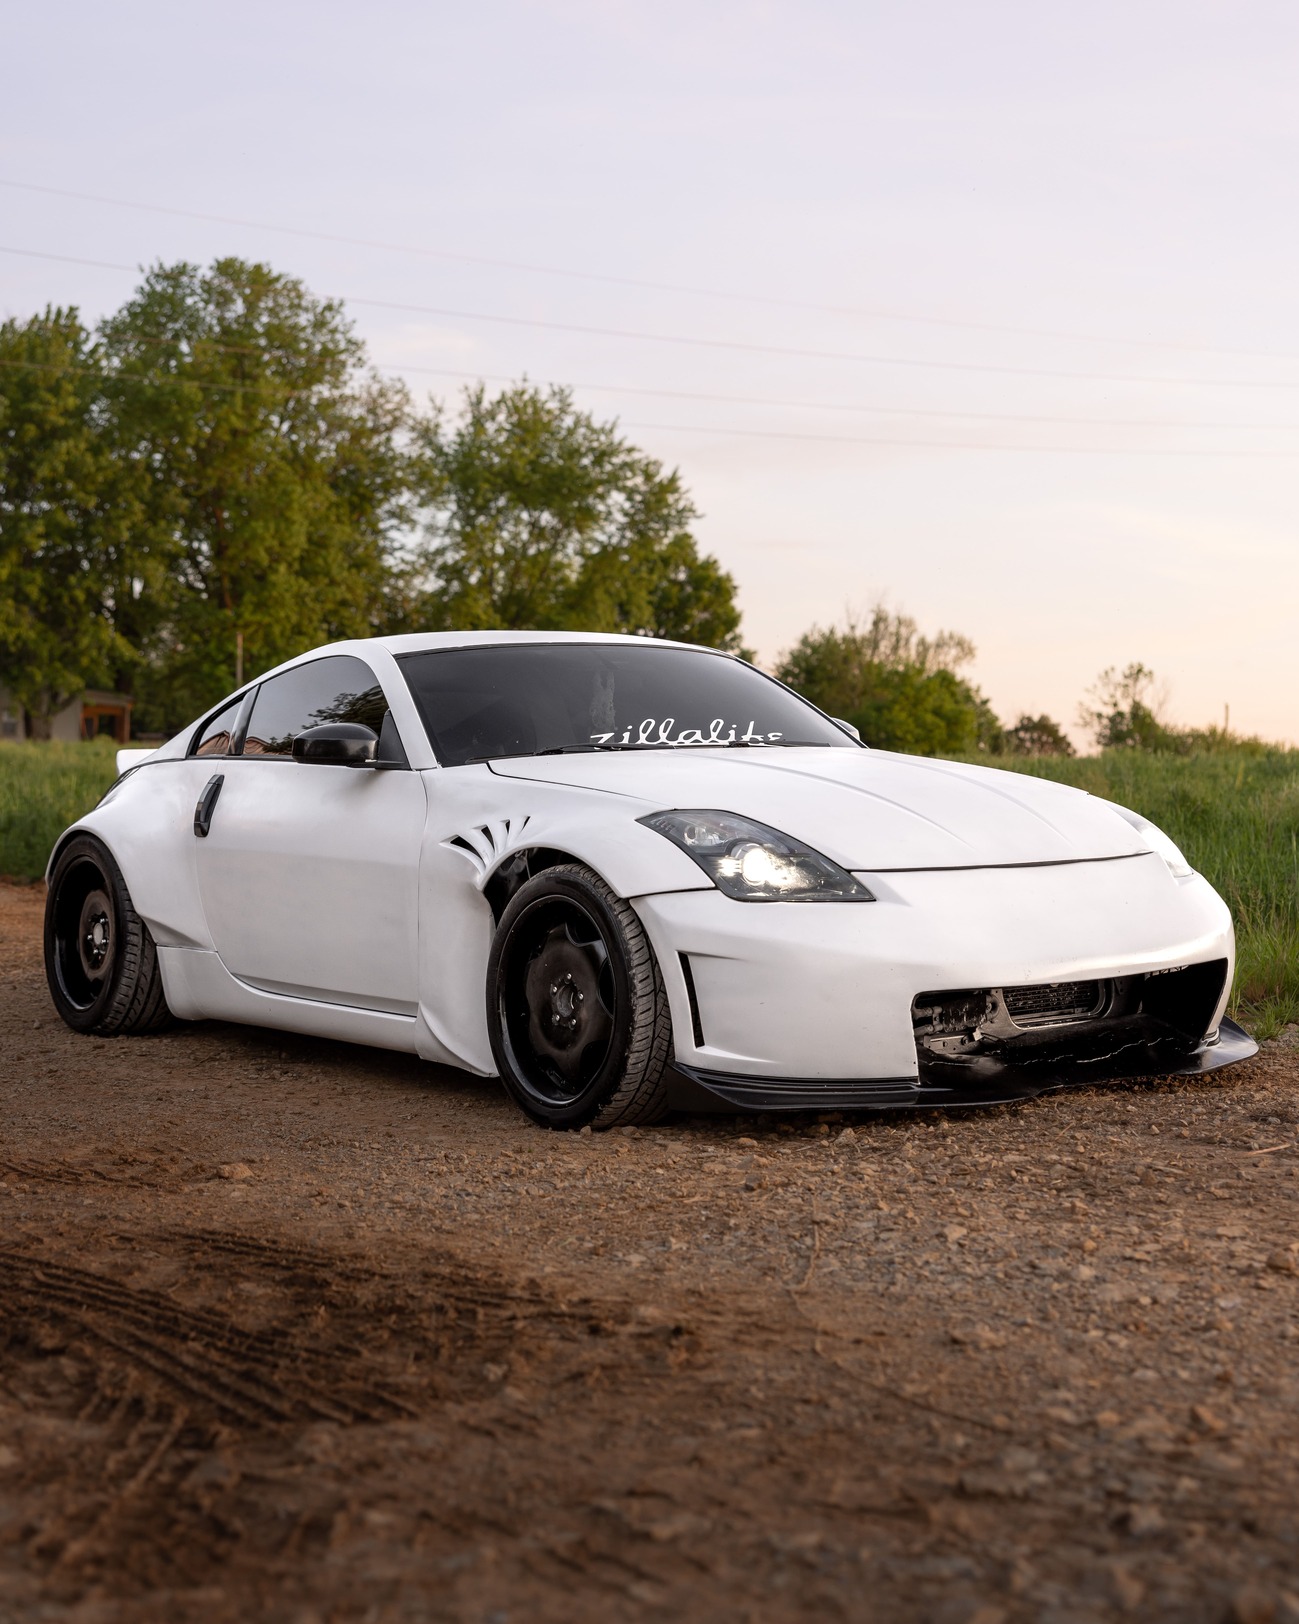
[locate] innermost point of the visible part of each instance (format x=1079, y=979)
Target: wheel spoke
x=85, y=947
x=596, y=954
x=593, y=949
x=565, y=1014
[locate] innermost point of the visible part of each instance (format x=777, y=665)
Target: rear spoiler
x=126, y=759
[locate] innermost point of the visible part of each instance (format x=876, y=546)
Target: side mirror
x=847, y=727
x=337, y=744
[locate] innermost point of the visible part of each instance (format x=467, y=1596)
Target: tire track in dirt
x=68, y=1172
x=160, y=1438
x=462, y=1317
x=136, y=1468
x=245, y=1376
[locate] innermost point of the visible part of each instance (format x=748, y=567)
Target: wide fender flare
x=145, y=821
x=479, y=826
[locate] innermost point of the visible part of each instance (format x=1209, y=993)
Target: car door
x=308, y=873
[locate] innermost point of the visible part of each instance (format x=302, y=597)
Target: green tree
x=899, y=688
x=540, y=516
x=1035, y=736
x=1123, y=711
x=277, y=481
x=66, y=517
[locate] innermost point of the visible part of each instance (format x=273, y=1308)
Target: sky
x=988, y=312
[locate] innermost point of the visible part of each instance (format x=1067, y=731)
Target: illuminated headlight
x=752, y=863
x=1158, y=842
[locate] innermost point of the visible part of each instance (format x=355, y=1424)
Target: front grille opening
x=1185, y=999
x=1134, y=1023
x=1058, y=1002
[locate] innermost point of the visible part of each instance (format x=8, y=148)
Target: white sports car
x=622, y=874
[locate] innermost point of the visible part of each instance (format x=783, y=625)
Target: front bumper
x=813, y=1001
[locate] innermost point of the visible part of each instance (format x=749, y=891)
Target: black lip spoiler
x=743, y=1093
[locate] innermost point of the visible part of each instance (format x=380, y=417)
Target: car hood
x=865, y=809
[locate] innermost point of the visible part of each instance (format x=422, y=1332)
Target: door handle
x=207, y=805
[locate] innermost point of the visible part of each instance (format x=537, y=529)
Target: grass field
x=1234, y=814
x=44, y=788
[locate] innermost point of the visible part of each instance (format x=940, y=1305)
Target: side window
x=216, y=736
x=339, y=688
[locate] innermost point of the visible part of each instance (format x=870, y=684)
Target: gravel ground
x=292, y=1330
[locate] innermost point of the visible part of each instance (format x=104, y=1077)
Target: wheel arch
x=71, y=834
x=518, y=867
x=144, y=822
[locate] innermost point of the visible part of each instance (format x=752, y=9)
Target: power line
x=961, y=445
x=739, y=346
x=744, y=400
x=799, y=353
x=72, y=259
x=852, y=406
x=729, y=295
x=282, y=390
x=1058, y=419
x=737, y=400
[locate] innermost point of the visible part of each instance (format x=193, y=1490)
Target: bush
x=44, y=788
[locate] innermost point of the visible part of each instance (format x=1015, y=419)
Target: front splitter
x=1022, y=1082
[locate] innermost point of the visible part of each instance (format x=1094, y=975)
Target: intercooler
x=1145, y=1022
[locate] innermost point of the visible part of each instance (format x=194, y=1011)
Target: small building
x=91, y=714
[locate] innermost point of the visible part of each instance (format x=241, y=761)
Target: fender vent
x=486, y=843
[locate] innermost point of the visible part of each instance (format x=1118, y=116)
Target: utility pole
x=239, y=659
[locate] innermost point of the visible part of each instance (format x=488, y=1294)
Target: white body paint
x=331, y=900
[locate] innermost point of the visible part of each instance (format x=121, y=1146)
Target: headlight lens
x=752, y=863
x=1158, y=841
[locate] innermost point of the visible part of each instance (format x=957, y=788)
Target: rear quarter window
x=218, y=732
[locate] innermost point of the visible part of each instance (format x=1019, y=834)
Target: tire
x=100, y=960
x=576, y=1009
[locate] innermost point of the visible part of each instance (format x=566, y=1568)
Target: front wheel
x=576, y=1009
x=100, y=960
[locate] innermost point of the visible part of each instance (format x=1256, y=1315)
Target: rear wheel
x=100, y=960
x=576, y=1009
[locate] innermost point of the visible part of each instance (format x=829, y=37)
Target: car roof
x=420, y=642
x=416, y=642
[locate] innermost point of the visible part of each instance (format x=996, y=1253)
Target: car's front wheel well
x=517, y=869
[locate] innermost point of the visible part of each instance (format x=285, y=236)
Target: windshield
x=531, y=699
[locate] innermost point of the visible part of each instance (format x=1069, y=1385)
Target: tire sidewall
x=80, y=851
x=574, y=886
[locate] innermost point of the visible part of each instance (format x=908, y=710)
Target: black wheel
x=100, y=960
x=576, y=1009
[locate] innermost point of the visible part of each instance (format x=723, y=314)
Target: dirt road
x=290, y=1330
